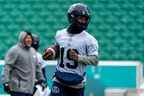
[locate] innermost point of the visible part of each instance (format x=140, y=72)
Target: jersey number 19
x=68, y=65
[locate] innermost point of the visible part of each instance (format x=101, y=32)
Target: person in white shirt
x=36, y=45
x=43, y=63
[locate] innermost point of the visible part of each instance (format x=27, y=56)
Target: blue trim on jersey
x=69, y=78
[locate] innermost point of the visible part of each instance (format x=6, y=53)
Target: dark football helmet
x=77, y=11
x=36, y=41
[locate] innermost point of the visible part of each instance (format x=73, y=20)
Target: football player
x=75, y=48
x=36, y=45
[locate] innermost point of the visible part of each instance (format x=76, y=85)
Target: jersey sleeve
x=92, y=52
x=92, y=47
x=57, y=36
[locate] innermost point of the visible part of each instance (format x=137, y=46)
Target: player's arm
x=83, y=59
x=92, y=54
x=51, y=52
x=10, y=60
x=88, y=59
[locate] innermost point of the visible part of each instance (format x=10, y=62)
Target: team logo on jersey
x=55, y=89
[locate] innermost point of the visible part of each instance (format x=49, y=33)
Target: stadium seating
x=117, y=24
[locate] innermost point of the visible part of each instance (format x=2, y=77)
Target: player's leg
x=57, y=89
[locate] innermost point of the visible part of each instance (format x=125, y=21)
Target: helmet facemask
x=78, y=16
x=81, y=22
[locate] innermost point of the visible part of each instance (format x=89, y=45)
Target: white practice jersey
x=42, y=62
x=84, y=43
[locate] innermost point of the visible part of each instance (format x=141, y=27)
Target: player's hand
x=7, y=87
x=73, y=54
x=48, y=54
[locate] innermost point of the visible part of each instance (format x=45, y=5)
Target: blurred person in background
x=21, y=69
x=43, y=63
x=36, y=45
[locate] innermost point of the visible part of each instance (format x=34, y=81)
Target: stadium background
x=118, y=25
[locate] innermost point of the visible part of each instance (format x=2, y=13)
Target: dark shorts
x=61, y=90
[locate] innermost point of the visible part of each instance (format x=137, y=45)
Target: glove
x=73, y=54
x=7, y=87
x=42, y=83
